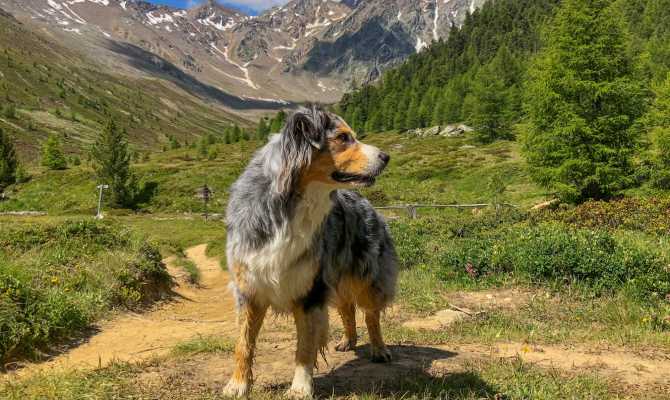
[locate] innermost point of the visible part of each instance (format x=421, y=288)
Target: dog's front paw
x=299, y=393
x=381, y=354
x=345, y=345
x=235, y=389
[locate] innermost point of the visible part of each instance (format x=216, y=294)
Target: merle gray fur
x=353, y=239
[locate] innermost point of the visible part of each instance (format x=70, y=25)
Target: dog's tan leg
x=251, y=317
x=310, y=326
x=348, y=314
x=378, y=349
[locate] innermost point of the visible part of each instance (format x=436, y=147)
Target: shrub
x=61, y=278
x=554, y=252
x=52, y=154
x=8, y=161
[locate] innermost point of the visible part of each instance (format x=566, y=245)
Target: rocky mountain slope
x=48, y=89
x=306, y=50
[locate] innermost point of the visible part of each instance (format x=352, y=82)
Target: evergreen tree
x=581, y=101
x=112, y=165
x=657, y=122
x=52, y=154
x=486, y=103
x=8, y=161
x=263, y=130
x=278, y=122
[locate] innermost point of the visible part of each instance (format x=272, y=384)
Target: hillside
x=305, y=50
x=49, y=89
x=429, y=170
x=479, y=71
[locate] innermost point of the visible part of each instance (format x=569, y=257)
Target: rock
x=432, y=131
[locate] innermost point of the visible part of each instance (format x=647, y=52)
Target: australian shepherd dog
x=298, y=240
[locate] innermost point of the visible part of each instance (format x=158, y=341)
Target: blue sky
x=244, y=5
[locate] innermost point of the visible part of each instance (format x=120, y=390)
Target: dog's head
x=318, y=146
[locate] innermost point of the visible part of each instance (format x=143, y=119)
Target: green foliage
x=9, y=111
x=278, y=121
x=657, y=123
x=582, y=99
x=112, y=165
x=263, y=129
x=494, y=246
x=646, y=215
x=8, y=161
x=481, y=64
x=55, y=280
x=52, y=154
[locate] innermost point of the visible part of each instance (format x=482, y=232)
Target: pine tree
x=112, y=165
x=581, y=100
x=657, y=123
x=277, y=122
x=52, y=154
x=486, y=103
x=262, y=130
x=8, y=161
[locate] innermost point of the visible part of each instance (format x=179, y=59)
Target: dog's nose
x=384, y=157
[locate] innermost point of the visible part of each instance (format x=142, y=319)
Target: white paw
x=235, y=389
x=299, y=393
x=301, y=388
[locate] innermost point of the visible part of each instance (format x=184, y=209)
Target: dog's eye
x=344, y=138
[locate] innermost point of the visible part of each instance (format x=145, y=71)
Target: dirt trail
x=209, y=310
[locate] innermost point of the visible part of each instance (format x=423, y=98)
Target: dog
x=298, y=241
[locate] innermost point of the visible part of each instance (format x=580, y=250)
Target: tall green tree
x=8, y=161
x=657, y=123
x=487, y=107
x=111, y=159
x=52, y=154
x=581, y=101
x=278, y=121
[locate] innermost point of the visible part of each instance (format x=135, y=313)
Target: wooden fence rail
x=412, y=209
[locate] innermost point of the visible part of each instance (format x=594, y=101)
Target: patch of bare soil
x=511, y=299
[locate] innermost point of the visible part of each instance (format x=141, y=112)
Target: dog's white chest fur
x=283, y=270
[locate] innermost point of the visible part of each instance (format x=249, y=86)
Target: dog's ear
x=304, y=131
x=308, y=124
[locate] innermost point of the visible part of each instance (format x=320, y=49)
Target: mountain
x=306, y=50
x=48, y=89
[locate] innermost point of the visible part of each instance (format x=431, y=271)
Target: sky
x=249, y=6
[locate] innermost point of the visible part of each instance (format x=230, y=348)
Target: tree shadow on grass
x=406, y=376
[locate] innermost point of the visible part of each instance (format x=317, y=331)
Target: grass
x=475, y=379
x=204, y=344
x=189, y=267
x=56, y=279
x=57, y=92
x=429, y=170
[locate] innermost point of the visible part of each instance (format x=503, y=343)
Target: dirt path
x=209, y=310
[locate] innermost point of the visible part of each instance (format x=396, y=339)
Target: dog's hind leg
x=251, y=317
x=311, y=326
x=348, y=314
x=379, y=351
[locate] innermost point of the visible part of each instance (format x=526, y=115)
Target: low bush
x=650, y=215
x=459, y=247
x=555, y=252
x=55, y=280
